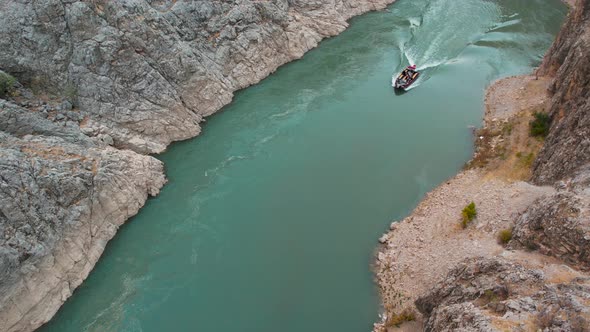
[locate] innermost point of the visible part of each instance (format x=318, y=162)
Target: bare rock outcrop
x=568, y=145
x=99, y=83
x=147, y=72
x=559, y=225
x=496, y=295
x=62, y=198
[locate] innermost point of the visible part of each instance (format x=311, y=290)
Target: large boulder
x=559, y=225
x=496, y=295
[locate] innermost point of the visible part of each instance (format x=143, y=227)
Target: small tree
x=540, y=125
x=6, y=84
x=505, y=236
x=468, y=214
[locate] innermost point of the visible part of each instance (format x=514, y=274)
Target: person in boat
x=411, y=70
x=408, y=73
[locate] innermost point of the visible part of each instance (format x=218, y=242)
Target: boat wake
x=429, y=46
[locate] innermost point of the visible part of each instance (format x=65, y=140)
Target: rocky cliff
x=568, y=146
x=147, y=72
x=482, y=294
x=559, y=224
x=98, y=84
x=62, y=197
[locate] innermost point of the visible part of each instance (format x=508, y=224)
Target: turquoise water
x=271, y=216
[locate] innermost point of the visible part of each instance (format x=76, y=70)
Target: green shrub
x=539, y=127
x=398, y=319
x=6, y=84
x=505, y=236
x=468, y=214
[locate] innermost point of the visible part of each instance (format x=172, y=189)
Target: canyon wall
x=567, y=147
x=98, y=85
x=147, y=72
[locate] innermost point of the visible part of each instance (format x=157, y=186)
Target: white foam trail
x=266, y=139
x=431, y=65
x=224, y=164
x=445, y=29
x=283, y=114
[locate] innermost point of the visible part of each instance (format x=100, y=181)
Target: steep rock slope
x=102, y=83
x=497, y=295
x=559, y=225
x=568, y=144
x=147, y=72
x=62, y=197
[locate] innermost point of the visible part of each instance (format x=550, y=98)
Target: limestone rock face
x=99, y=83
x=559, y=225
x=493, y=294
x=62, y=198
x=146, y=72
x=568, y=145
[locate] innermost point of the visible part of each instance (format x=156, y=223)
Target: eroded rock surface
x=495, y=294
x=559, y=225
x=99, y=83
x=568, y=145
x=147, y=72
x=62, y=198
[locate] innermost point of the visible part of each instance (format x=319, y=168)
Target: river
x=271, y=216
